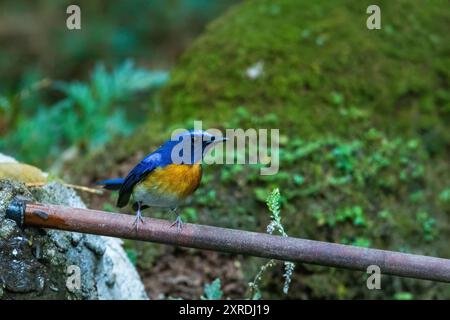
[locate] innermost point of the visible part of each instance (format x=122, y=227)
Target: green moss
x=319, y=60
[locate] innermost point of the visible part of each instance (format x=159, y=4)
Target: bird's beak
x=220, y=139
x=215, y=140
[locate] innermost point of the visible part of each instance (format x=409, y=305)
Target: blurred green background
x=363, y=115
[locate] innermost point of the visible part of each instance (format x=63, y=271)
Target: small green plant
x=109, y=207
x=444, y=196
x=191, y=214
x=403, y=296
x=275, y=225
x=212, y=291
x=428, y=225
x=132, y=255
x=354, y=214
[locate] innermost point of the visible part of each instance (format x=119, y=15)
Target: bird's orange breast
x=180, y=180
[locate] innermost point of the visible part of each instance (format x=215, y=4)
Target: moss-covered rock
x=22, y=172
x=10, y=168
x=318, y=67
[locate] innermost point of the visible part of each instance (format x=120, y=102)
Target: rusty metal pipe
x=229, y=240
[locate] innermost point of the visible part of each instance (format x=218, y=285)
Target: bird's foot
x=137, y=220
x=178, y=222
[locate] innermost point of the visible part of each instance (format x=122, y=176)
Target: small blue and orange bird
x=165, y=177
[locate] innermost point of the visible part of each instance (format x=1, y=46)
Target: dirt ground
x=182, y=273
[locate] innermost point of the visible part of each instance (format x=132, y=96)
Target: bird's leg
x=138, y=218
x=178, y=220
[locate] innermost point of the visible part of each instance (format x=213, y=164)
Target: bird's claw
x=178, y=222
x=137, y=220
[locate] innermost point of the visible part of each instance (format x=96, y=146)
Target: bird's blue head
x=189, y=147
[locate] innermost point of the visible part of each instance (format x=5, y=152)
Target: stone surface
x=40, y=264
x=7, y=159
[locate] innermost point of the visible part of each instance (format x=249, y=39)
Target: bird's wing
x=140, y=171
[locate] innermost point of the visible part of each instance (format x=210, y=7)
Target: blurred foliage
x=36, y=123
x=35, y=42
x=88, y=115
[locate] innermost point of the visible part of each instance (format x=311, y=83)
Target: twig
x=73, y=186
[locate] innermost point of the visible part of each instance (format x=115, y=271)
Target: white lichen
x=255, y=71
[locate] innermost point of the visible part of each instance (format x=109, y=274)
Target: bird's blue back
x=159, y=158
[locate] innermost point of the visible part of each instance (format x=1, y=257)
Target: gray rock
x=51, y=264
x=7, y=159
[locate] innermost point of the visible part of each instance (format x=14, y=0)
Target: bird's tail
x=111, y=184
